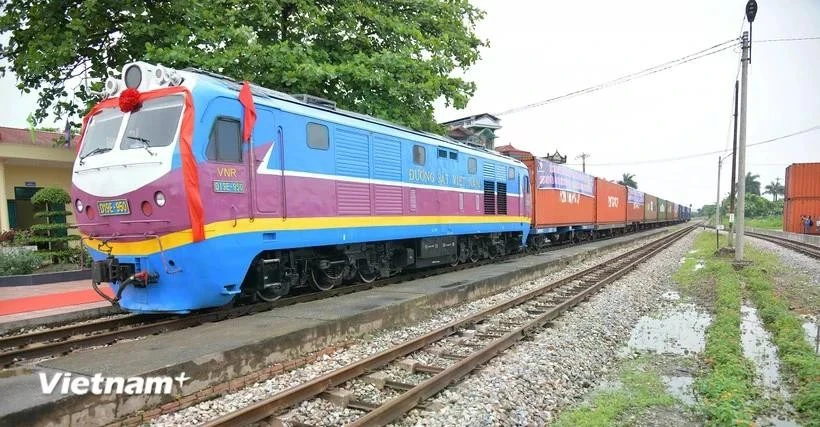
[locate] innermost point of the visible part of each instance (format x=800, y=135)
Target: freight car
x=192, y=190
x=571, y=206
x=802, y=196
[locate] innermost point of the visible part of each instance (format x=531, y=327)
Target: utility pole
x=583, y=157
x=717, y=209
x=734, y=166
x=741, y=161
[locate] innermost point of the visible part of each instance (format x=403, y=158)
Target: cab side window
x=317, y=136
x=419, y=155
x=225, y=144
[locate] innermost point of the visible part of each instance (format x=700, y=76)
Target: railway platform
x=34, y=305
x=215, y=353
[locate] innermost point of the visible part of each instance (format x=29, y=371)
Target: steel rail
x=313, y=388
x=802, y=247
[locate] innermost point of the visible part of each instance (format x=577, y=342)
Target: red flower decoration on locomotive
x=129, y=100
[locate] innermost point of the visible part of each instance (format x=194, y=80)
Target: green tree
x=628, y=180
x=708, y=211
x=388, y=58
x=775, y=189
x=752, y=184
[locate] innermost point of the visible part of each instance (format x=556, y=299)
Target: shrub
x=54, y=233
x=19, y=261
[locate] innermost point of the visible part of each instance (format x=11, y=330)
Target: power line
x=692, y=156
x=623, y=79
x=794, y=39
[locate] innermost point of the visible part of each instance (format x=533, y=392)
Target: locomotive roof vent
x=315, y=100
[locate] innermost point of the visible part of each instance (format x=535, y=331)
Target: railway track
x=65, y=339
x=457, y=349
x=62, y=340
x=804, y=248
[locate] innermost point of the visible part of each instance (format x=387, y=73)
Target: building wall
x=19, y=175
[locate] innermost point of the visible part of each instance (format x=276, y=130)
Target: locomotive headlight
x=133, y=76
x=161, y=74
x=159, y=198
x=112, y=86
x=79, y=205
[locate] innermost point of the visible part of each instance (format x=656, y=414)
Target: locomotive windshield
x=102, y=131
x=155, y=124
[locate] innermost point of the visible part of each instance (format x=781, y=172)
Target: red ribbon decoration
x=130, y=100
x=190, y=175
x=246, y=98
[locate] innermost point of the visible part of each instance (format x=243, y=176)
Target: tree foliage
x=388, y=58
x=752, y=184
x=754, y=206
x=775, y=188
x=628, y=180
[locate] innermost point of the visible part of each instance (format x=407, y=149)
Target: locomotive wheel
x=368, y=277
x=321, y=280
x=268, y=295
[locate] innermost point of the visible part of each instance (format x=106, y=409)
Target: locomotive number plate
x=114, y=207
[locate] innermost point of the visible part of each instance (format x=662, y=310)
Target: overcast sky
x=542, y=49
x=549, y=48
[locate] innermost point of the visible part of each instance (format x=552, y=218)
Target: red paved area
x=21, y=299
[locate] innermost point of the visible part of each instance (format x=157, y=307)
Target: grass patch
x=767, y=222
x=728, y=393
x=642, y=389
x=801, y=364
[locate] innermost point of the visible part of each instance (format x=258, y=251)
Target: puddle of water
x=680, y=330
x=699, y=265
x=682, y=260
x=774, y=422
x=670, y=296
x=607, y=385
x=693, y=251
x=681, y=388
x=758, y=348
x=810, y=329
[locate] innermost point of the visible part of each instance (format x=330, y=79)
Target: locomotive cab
x=124, y=187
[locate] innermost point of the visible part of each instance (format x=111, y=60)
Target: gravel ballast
x=533, y=381
x=548, y=373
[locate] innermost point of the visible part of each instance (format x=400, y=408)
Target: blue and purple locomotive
x=190, y=196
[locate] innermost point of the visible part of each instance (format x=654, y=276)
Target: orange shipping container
x=634, y=209
x=650, y=208
x=562, y=196
x=610, y=202
x=802, y=180
x=795, y=208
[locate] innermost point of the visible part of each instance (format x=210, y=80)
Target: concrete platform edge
x=72, y=316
